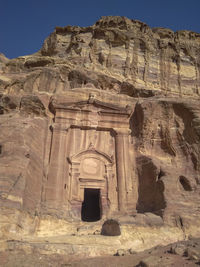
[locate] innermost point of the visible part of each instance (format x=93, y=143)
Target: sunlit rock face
x=115, y=54
x=102, y=123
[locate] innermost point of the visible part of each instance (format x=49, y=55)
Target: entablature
x=91, y=113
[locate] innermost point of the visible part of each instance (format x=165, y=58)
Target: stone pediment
x=91, y=151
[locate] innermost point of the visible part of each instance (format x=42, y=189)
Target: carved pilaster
x=121, y=138
x=54, y=187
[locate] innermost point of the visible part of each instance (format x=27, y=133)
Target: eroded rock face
x=107, y=116
x=115, y=54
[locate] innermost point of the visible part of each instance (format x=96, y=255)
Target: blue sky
x=26, y=23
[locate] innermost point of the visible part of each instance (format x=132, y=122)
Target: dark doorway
x=91, y=210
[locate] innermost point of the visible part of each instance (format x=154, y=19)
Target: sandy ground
x=185, y=253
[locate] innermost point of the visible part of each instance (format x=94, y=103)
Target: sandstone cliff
x=117, y=78
x=116, y=54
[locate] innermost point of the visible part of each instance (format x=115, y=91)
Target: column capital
x=57, y=127
x=122, y=131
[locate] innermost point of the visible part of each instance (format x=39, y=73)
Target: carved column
x=111, y=192
x=121, y=141
x=56, y=172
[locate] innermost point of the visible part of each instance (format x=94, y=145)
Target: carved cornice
x=104, y=107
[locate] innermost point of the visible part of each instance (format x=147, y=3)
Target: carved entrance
x=91, y=206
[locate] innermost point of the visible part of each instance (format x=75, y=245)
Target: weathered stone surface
x=102, y=123
x=18, y=253
x=193, y=253
x=179, y=249
x=111, y=228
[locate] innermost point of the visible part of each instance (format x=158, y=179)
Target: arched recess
x=185, y=183
x=92, y=169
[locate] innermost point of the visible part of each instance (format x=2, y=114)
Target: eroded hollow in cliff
x=91, y=206
x=151, y=187
x=185, y=183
